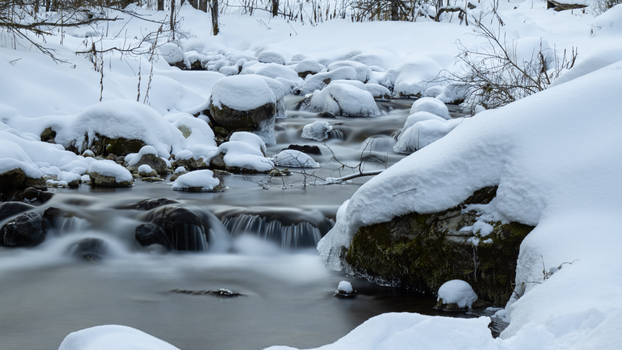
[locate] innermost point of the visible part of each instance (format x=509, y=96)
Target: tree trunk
x=395, y=10
x=203, y=5
x=160, y=5
x=173, y=18
x=275, y=8
x=214, y=9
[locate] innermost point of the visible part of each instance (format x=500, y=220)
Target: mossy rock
x=99, y=180
x=48, y=135
x=233, y=120
x=422, y=251
x=119, y=146
x=14, y=180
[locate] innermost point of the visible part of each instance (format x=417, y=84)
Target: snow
x=430, y=105
x=271, y=57
x=545, y=177
x=294, y=159
x=242, y=92
x=311, y=66
x=419, y=117
x=113, y=337
x=424, y=133
x=198, y=180
x=375, y=90
x=250, y=138
x=246, y=150
x=609, y=23
x=344, y=100
x=145, y=170
x=345, y=287
x=171, y=53
x=133, y=158
x=318, y=130
x=457, y=292
x=111, y=169
x=318, y=81
x=362, y=70
x=415, y=77
x=273, y=70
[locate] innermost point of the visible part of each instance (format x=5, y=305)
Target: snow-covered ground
x=555, y=155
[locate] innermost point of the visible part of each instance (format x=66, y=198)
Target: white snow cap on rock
x=171, y=53
x=271, y=57
x=145, y=170
x=310, y=66
x=196, y=181
x=424, y=133
x=345, y=287
x=245, y=150
x=242, y=92
x=318, y=81
x=113, y=337
x=415, y=77
x=457, y=292
x=294, y=159
x=430, y=105
x=318, y=130
x=109, y=168
x=345, y=100
x=133, y=158
x=419, y=117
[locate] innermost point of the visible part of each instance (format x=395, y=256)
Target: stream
x=262, y=248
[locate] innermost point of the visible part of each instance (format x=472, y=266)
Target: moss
x=422, y=251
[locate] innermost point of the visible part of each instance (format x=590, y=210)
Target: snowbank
x=415, y=77
x=113, y=337
x=196, y=181
x=424, y=133
x=457, y=292
x=419, y=117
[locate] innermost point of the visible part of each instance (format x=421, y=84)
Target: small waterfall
x=295, y=235
x=190, y=238
x=70, y=224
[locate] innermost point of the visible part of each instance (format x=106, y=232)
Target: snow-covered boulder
x=196, y=181
x=308, y=67
x=116, y=127
x=172, y=54
x=344, y=290
x=113, y=337
x=145, y=170
x=344, y=100
x=106, y=173
x=271, y=57
x=424, y=133
x=375, y=90
x=294, y=159
x=275, y=71
x=243, y=102
x=199, y=140
x=147, y=155
x=243, y=153
x=456, y=294
x=414, y=78
x=419, y=117
x=319, y=130
x=362, y=70
x=431, y=105
x=320, y=80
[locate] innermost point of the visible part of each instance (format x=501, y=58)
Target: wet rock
x=99, y=180
x=221, y=292
x=33, y=195
x=190, y=164
x=88, y=249
x=148, y=204
x=105, y=146
x=345, y=290
x=14, y=180
x=175, y=228
x=156, y=163
x=55, y=216
x=9, y=209
x=422, y=251
x=232, y=120
x=48, y=135
x=25, y=230
x=306, y=149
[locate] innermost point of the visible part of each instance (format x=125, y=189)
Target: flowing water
x=91, y=271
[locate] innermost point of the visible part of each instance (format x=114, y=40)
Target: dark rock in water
x=13, y=181
x=99, y=180
x=33, y=195
x=326, y=115
x=9, y=209
x=422, y=251
x=57, y=218
x=306, y=149
x=233, y=120
x=25, y=230
x=221, y=292
x=88, y=249
x=148, y=204
x=175, y=228
x=190, y=164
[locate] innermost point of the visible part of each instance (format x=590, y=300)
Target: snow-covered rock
x=306, y=67
x=415, y=77
x=319, y=130
x=171, y=53
x=320, y=80
x=456, y=292
x=419, y=117
x=106, y=173
x=430, y=105
x=271, y=57
x=344, y=100
x=244, y=152
x=294, y=159
x=376, y=90
x=146, y=171
x=196, y=181
x=113, y=337
x=362, y=70
x=424, y=133
x=273, y=70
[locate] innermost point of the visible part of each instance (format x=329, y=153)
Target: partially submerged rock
x=88, y=249
x=14, y=180
x=9, y=209
x=25, y=230
x=106, y=173
x=422, y=251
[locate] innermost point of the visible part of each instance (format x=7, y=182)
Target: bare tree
x=160, y=5
x=275, y=8
x=214, y=11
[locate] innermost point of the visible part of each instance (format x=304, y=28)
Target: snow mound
x=375, y=90
x=320, y=80
x=419, y=117
x=295, y=159
x=309, y=66
x=457, y=292
x=133, y=158
x=275, y=71
x=196, y=181
x=362, y=70
x=250, y=138
x=393, y=331
x=609, y=23
x=344, y=100
x=199, y=141
x=424, y=133
x=245, y=151
x=345, y=287
x=414, y=78
x=146, y=170
x=318, y=130
x=113, y=337
x=171, y=53
x=115, y=119
x=109, y=168
x=431, y=105
x=271, y=57
x=242, y=92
